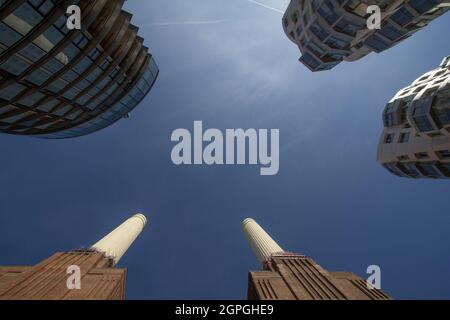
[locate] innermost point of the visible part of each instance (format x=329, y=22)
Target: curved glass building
x=61, y=83
x=416, y=139
x=328, y=32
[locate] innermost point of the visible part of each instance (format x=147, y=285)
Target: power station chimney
x=260, y=241
x=292, y=276
x=116, y=243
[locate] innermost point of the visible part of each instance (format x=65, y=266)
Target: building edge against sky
x=100, y=279
x=60, y=83
x=291, y=276
x=415, y=142
x=328, y=32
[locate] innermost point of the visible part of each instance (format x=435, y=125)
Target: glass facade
x=416, y=170
x=60, y=83
x=331, y=31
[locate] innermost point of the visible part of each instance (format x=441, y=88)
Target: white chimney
x=120, y=239
x=261, y=243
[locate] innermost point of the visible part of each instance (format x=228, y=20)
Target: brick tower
x=99, y=279
x=290, y=276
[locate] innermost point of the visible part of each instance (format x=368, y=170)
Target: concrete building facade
x=416, y=138
x=100, y=279
x=61, y=83
x=291, y=276
x=328, y=32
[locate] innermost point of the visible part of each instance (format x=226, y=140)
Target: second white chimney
x=261, y=243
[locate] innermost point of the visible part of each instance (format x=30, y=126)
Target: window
x=83, y=84
x=392, y=168
x=14, y=65
x=11, y=91
x=390, y=32
x=318, y=31
x=6, y=109
x=30, y=120
x=93, y=104
x=294, y=17
x=347, y=27
x=428, y=170
x=47, y=123
x=376, y=43
x=7, y=35
x=53, y=65
x=422, y=6
x=306, y=18
x=389, y=138
x=69, y=76
x=411, y=169
x=16, y=117
x=302, y=42
x=82, y=65
x=403, y=158
x=422, y=155
x=402, y=16
x=83, y=99
x=309, y=61
x=46, y=107
x=404, y=137
x=38, y=77
x=443, y=154
x=420, y=114
x=389, y=116
x=71, y=93
x=32, y=52
x=103, y=83
x=62, y=110
x=81, y=41
x=94, y=54
x=56, y=86
x=105, y=65
x=440, y=111
x=24, y=18
x=71, y=51
x=315, y=4
x=408, y=169
x=444, y=168
x=93, y=91
x=316, y=49
x=328, y=12
x=73, y=114
x=94, y=74
x=49, y=39
x=336, y=43
x=45, y=7
x=30, y=100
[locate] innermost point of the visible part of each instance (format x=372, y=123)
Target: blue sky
x=229, y=64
